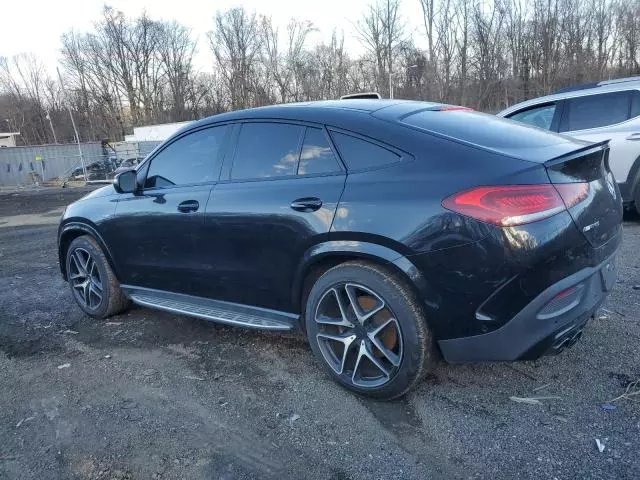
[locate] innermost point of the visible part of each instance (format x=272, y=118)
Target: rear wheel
x=93, y=284
x=366, y=326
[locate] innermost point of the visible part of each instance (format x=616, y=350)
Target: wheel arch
x=71, y=230
x=633, y=182
x=324, y=256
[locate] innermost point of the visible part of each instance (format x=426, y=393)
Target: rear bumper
x=527, y=336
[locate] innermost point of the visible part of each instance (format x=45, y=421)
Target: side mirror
x=125, y=182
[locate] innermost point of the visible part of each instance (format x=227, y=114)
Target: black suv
x=385, y=230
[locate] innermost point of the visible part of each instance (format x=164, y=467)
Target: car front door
x=155, y=232
x=276, y=198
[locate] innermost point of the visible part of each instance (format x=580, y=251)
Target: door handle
x=634, y=136
x=309, y=204
x=189, y=206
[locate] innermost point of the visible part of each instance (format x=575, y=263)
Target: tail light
x=455, y=108
x=509, y=205
x=572, y=193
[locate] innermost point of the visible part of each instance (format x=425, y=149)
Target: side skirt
x=213, y=310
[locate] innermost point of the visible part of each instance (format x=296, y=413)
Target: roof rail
x=575, y=88
x=351, y=96
x=620, y=80
x=585, y=86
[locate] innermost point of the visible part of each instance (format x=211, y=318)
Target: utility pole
x=55, y=139
x=75, y=130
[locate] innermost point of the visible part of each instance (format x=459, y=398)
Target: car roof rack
x=369, y=95
x=585, y=86
x=575, y=88
x=620, y=80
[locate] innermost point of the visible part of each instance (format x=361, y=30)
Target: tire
x=636, y=200
x=93, y=284
x=404, y=348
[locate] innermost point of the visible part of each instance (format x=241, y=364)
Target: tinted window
x=357, y=153
x=316, y=155
x=485, y=130
x=537, y=116
x=190, y=159
x=635, y=104
x=595, y=111
x=266, y=150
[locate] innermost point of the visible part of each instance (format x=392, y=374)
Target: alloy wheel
x=84, y=276
x=358, y=335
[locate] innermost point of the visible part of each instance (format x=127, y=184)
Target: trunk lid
x=599, y=215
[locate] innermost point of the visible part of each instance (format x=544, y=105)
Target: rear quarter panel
x=462, y=261
x=400, y=206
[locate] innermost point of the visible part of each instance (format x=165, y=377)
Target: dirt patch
x=159, y=396
x=22, y=347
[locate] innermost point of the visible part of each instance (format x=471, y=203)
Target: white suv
x=608, y=110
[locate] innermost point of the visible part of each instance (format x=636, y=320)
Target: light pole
x=55, y=140
x=73, y=123
x=391, y=75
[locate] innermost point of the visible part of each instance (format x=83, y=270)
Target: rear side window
x=267, y=150
x=359, y=154
x=190, y=159
x=595, y=111
x=541, y=116
x=484, y=130
x=316, y=156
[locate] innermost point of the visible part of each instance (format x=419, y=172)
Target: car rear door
x=543, y=115
x=155, y=232
x=276, y=198
x=606, y=116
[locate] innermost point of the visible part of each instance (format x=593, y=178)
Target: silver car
x=608, y=110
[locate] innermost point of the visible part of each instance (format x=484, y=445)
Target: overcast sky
x=36, y=25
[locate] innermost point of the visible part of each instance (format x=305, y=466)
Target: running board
x=213, y=310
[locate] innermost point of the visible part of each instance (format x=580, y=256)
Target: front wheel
x=368, y=329
x=93, y=284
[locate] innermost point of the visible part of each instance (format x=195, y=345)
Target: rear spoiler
x=587, y=149
x=365, y=95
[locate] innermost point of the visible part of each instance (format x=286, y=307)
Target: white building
x=154, y=133
x=8, y=139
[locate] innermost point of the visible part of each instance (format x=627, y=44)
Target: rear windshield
x=484, y=130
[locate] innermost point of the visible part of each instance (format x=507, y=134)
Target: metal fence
x=20, y=166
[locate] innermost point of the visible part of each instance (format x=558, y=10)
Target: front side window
x=190, y=159
x=267, y=150
x=541, y=116
x=595, y=111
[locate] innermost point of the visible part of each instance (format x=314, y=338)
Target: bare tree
x=281, y=65
x=125, y=71
x=176, y=51
x=25, y=82
x=429, y=18
x=382, y=31
x=236, y=44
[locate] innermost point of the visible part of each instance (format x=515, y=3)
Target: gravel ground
x=154, y=395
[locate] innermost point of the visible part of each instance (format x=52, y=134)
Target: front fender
x=72, y=228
